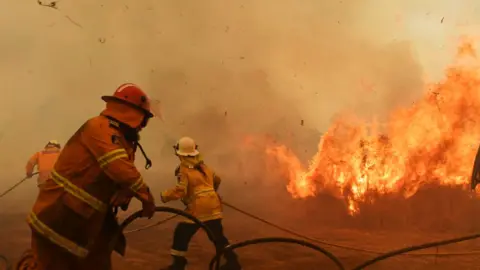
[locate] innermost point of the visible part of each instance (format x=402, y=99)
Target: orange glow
x=432, y=141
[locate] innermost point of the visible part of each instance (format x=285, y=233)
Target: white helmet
x=54, y=143
x=186, y=147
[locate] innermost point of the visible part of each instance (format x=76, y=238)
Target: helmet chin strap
x=131, y=135
x=144, y=122
x=148, y=162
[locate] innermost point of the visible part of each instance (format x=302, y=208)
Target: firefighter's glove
x=121, y=198
x=162, y=198
x=148, y=205
x=148, y=209
x=29, y=175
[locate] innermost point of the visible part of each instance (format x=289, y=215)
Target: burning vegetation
x=433, y=141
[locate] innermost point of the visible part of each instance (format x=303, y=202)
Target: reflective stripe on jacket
x=197, y=189
x=95, y=164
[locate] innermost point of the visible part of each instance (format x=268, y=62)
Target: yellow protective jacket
x=197, y=187
x=44, y=161
x=96, y=164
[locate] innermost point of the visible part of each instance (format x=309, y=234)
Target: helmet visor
x=156, y=108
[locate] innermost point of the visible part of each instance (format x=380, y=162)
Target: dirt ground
x=375, y=229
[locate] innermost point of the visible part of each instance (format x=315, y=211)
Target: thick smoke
x=221, y=69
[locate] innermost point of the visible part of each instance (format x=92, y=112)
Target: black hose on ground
x=152, y=225
x=178, y=212
x=314, y=240
x=413, y=248
x=215, y=262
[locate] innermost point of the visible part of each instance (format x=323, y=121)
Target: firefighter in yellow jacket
x=197, y=187
x=73, y=218
x=44, y=161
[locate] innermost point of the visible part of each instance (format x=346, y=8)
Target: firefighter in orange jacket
x=197, y=187
x=44, y=161
x=73, y=218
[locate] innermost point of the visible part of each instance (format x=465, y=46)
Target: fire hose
x=381, y=256
x=16, y=185
x=308, y=238
x=215, y=263
x=175, y=211
x=413, y=248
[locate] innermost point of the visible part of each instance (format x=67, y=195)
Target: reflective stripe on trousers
x=56, y=238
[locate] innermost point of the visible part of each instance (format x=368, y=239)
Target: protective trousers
x=49, y=256
x=184, y=233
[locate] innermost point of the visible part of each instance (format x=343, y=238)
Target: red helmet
x=132, y=95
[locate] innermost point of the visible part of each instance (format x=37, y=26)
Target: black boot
x=179, y=263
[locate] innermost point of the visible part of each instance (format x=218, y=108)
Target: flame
x=434, y=141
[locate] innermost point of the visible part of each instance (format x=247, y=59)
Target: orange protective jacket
x=197, y=187
x=44, y=161
x=96, y=164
